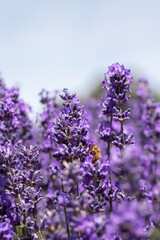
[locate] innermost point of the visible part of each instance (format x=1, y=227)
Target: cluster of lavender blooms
x=81, y=172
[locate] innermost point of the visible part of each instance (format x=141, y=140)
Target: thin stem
x=25, y=226
x=121, y=127
x=109, y=144
x=111, y=121
x=65, y=214
x=37, y=219
x=108, y=152
x=122, y=137
x=17, y=230
x=77, y=190
x=78, y=236
x=111, y=207
x=21, y=220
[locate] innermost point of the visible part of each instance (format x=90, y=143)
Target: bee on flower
x=96, y=152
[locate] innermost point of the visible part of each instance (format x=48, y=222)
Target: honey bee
x=96, y=152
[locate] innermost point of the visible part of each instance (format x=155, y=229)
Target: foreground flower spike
x=118, y=94
x=95, y=179
x=70, y=134
x=70, y=130
x=117, y=88
x=22, y=186
x=116, y=82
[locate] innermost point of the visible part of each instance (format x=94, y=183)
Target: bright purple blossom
x=78, y=174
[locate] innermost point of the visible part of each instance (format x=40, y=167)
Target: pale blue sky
x=70, y=43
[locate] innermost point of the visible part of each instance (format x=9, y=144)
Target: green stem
x=108, y=152
x=37, y=219
x=77, y=190
x=17, y=230
x=25, y=226
x=121, y=127
x=78, y=236
x=111, y=207
x=21, y=220
x=65, y=214
x=122, y=137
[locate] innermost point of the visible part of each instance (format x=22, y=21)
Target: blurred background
x=70, y=44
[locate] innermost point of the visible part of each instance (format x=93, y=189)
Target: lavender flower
x=6, y=230
x=70, y=131
x=129, y=221
x=63, y=179
x=118, y=94
x=117, y=88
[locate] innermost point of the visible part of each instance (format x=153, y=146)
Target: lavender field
x=83, y=171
